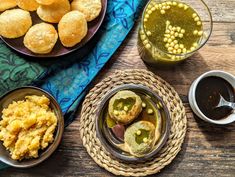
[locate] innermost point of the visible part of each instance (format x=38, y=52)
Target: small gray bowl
x=108, y=140
x=19, y=94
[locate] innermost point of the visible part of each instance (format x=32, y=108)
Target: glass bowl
x=156, y=56
x=111, y=142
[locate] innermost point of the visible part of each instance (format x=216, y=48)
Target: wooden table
x=207, y=150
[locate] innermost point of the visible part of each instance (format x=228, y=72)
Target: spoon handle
x=229, y=104
x=232, y=105
x=223, y=102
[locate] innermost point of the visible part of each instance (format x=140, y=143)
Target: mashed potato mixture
x=27, y=126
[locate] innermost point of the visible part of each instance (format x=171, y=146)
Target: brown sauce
x=208, y=93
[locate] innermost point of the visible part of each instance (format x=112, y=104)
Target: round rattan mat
x=169, y=150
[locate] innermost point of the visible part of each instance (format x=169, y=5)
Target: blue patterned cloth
x=67, y=80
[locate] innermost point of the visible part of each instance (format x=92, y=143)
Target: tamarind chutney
x=208, y=94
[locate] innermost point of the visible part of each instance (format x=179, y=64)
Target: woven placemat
x=178, y=123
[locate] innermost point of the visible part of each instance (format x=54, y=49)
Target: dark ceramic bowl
x=19, y=94
x=59, y=49
x=109, y=140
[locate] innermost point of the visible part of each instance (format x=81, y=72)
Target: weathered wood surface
x=207, y=151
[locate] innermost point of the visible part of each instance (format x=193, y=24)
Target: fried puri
x=41, y=38
x=72, y=28
x=90, y=8
x=125, y=106
x=54, y=12
x=14, y=23
x=45, y=2
x=7, y=4
x=140, y=144
x=30, y=5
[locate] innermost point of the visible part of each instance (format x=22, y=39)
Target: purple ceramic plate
x=59, y=49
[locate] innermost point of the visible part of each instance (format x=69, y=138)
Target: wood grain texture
x=208, y=150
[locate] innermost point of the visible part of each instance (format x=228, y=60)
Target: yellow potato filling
x=27, y=126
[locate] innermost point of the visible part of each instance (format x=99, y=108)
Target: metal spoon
x=224, y=103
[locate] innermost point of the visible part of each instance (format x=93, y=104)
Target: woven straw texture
x=169, y=150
